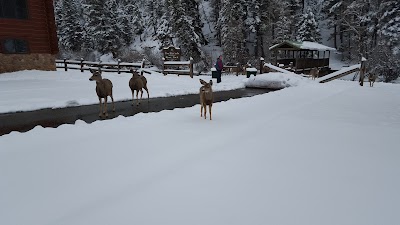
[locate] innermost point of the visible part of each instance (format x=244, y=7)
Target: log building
x=28, y=38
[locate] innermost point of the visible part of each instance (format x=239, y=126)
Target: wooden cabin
x=301, y=56
x=28, y=38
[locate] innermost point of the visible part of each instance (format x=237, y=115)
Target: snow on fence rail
x=119, y=67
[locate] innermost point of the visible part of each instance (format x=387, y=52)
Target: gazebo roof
x=305, y=45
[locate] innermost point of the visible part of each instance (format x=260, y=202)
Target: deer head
x=96, y=75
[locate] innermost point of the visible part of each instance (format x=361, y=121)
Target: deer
x=138, y=83
x=371, y=79
x=103, y=90
x=314, y=72
x=206, y=98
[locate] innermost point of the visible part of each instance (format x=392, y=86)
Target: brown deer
x=103, y=90
x=206, y=98
x=138, y=83
x=314, y=72
x=371, y=79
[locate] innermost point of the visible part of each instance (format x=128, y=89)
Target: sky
x=308, y=154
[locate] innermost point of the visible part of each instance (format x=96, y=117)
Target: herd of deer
x=137, y=83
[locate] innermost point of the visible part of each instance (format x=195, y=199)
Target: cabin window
x=14, y=46
x=13, y=9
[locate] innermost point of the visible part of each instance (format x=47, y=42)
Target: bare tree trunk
x=335, y=36
x=262, y=46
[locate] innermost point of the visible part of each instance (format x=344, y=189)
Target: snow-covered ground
x=31, y=90
x=307, y=155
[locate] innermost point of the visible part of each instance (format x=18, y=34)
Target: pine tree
x=295, y=11
x=163, y=29
x=185, y=32
x=308, y=28
x=70, y=30
x=333, y=10
x=216, y=6
x=389, y=24
x=232, y=30
x=93, y=16
x=129, y=20
x=283, y=24
x=103, y=30
x=111, y=31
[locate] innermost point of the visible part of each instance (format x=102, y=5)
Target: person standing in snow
x=219, y=66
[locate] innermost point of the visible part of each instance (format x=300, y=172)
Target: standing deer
x=103, y=90
x=206, y=98
x=314, y=72
x=371, y=79
x=138, y=83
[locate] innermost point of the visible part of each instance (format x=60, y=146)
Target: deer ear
x=202, y=82
x=211, y=82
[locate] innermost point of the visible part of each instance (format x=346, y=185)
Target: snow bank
x=275, y=81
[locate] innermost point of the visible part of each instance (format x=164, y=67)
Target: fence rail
x=175, y=67
x=119, y=67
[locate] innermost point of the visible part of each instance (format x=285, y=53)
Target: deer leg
x=133, y=97
x=137, y=97
x=112, y=99
x=201, y=110
x=105, y=107
x=101, y=108
x=141, y=95
x=205, y=112
x=147, y=90
x=210, y=112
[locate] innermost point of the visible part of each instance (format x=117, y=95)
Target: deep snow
x=310, y=154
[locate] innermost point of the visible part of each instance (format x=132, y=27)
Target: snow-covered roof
x=306, y=45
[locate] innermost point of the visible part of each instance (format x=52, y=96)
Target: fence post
x=261, y=65
x=362, y=71
x=142, y=66
x=163, y=66
x=191, y=67
x=65, y=64
x=119, y=67
x=81, y=64
x=99, y=66
x=237, y=69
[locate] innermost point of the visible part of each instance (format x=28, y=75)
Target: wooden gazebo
x=301, y=56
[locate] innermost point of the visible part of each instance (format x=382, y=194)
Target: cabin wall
x=38, y=30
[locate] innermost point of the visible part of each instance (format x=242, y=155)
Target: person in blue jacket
x=219, y=66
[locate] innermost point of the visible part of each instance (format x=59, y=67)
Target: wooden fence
x=178, y=67
x=119, y=67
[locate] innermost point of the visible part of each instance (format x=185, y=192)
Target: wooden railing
x=119, y=67
x=176, y=67
x=297, y=65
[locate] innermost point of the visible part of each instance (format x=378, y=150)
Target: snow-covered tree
x=283, y=24
x=70, y=32
x=103, y=32
x=130, y=20
x=389, y=24
x=232, y=30
x=308, y=28
x=185, y=30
